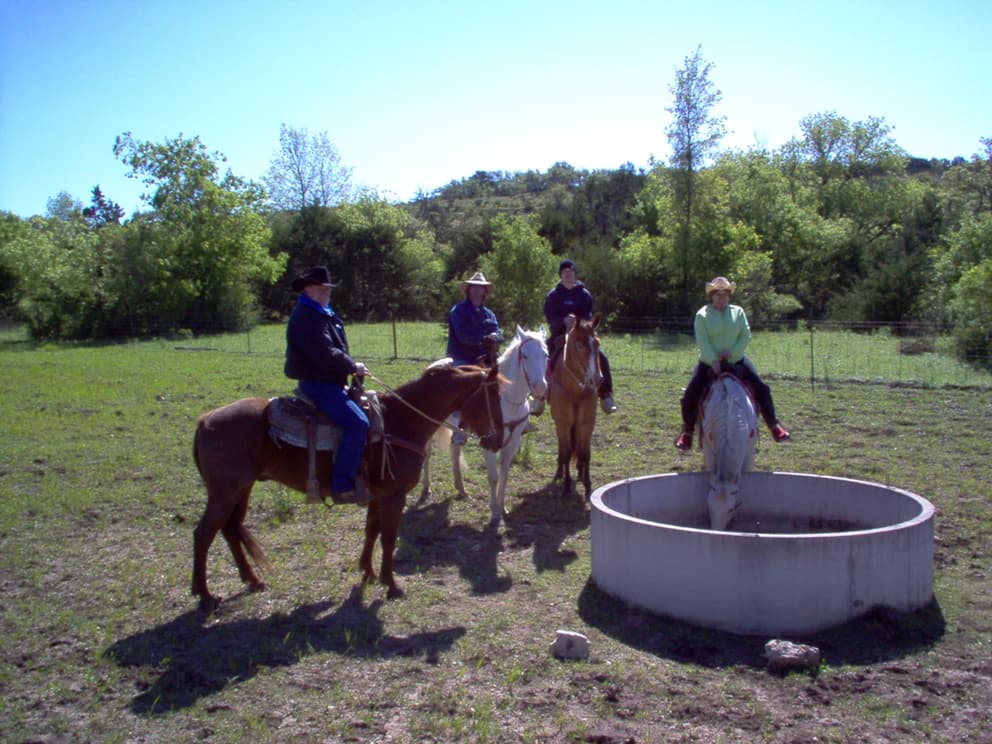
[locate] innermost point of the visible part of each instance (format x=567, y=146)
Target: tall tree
x=694, y=134
x=306, y=172
x=208, y=232
x=102, y=211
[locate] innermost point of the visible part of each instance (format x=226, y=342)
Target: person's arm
x=707, y=354
x=739, y=348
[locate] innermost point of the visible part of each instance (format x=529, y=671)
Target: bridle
x=523, y=368
x=588, y=381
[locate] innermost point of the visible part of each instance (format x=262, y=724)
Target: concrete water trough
x=804, y=552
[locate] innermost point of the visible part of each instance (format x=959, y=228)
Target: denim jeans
x=333, y=400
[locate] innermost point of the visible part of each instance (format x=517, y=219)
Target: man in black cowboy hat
x=474, y=334
x=569, y=301
x=317, y=356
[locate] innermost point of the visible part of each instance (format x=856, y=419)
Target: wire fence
x=819, y=352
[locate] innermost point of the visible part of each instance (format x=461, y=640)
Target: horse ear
x=520, y=332
x=493, y=375
x=595, y=321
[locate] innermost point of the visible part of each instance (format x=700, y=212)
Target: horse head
x=580, y=357
x=480, y=408
x=526, y=361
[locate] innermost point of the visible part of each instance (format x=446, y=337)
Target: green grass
x=99, y=497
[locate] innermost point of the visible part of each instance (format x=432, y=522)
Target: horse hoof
x=257, y=586
x=395, y=593
x=208, y=604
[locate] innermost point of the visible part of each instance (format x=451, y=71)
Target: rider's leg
x=763, y=395
x=333, y=400
x=606, y=386
x=694, y=392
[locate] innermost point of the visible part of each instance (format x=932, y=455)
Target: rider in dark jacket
x=317, y=355
x=568, y=301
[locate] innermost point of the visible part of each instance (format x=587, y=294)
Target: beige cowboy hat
x=477, y=280
x=720, y=283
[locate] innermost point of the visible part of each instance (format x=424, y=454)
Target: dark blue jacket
x=561, y=302
x=316, y=345
x=468, y=325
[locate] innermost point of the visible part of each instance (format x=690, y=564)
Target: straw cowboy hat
x=317, y=275
x=477, y=280
x=721, y=282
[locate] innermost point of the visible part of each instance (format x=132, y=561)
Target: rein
x=583, y=384
x=485, y=385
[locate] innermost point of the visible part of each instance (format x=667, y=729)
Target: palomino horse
x=573, y=390
x=523, y=364
x=729, y=433
x=233, y=449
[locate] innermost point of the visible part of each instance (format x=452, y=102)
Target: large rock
x=570, y=645
x=785, y=655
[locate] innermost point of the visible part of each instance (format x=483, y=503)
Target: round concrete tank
x=803, y=553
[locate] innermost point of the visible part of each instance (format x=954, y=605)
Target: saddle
x=295, y=420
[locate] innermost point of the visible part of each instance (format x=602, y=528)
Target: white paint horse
x=729, y=434
x=523, y=364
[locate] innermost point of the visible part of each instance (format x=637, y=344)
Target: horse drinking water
x=729, y=434
x=573, y=390
x=233, y=449
x=523, y=364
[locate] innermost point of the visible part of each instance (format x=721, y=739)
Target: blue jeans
x=333, y=400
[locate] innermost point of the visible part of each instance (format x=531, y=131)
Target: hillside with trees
x=838, y=224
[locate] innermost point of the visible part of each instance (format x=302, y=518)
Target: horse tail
x=253, y=548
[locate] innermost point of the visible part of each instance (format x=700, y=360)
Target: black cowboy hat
x=317, y=275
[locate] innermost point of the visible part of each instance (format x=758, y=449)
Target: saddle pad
x=288, y=423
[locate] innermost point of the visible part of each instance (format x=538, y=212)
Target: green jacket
x=718, y=331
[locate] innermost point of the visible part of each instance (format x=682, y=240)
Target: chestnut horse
x=573, y=392
x=233, y=450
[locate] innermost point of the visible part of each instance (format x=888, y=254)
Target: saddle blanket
x=288, y=422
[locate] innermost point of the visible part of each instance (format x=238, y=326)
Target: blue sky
x=417, y=94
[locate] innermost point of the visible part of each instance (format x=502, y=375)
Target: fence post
x=812, y=360
x=395, y=352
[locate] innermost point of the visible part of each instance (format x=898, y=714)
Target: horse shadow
x=428, y=539
x=544, y=520
x=200, y=660
x=881, y=634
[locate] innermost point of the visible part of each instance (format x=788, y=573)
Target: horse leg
x=371, y=535
x=214, y=517
x=496, y=487
x=425, y=489
x=456, y=469
x=391, y=513
x=238, y=538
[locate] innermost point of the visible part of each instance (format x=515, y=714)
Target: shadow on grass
x=197, y=660
x=879, y=635
x=428, y=539
x=543, y=520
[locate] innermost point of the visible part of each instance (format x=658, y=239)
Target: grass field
x=99, y=497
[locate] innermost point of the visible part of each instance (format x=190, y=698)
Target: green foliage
x=522, y=268
x=969, y=307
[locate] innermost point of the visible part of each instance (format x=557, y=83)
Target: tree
x=693, y=135
x=207, y=232
x=522, y=267
x=102, y=211
x=306, y=172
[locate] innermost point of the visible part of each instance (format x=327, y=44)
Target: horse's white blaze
x=730, y=430
x=524, y=365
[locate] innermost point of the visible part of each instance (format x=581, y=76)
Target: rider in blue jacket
x=474, y=334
